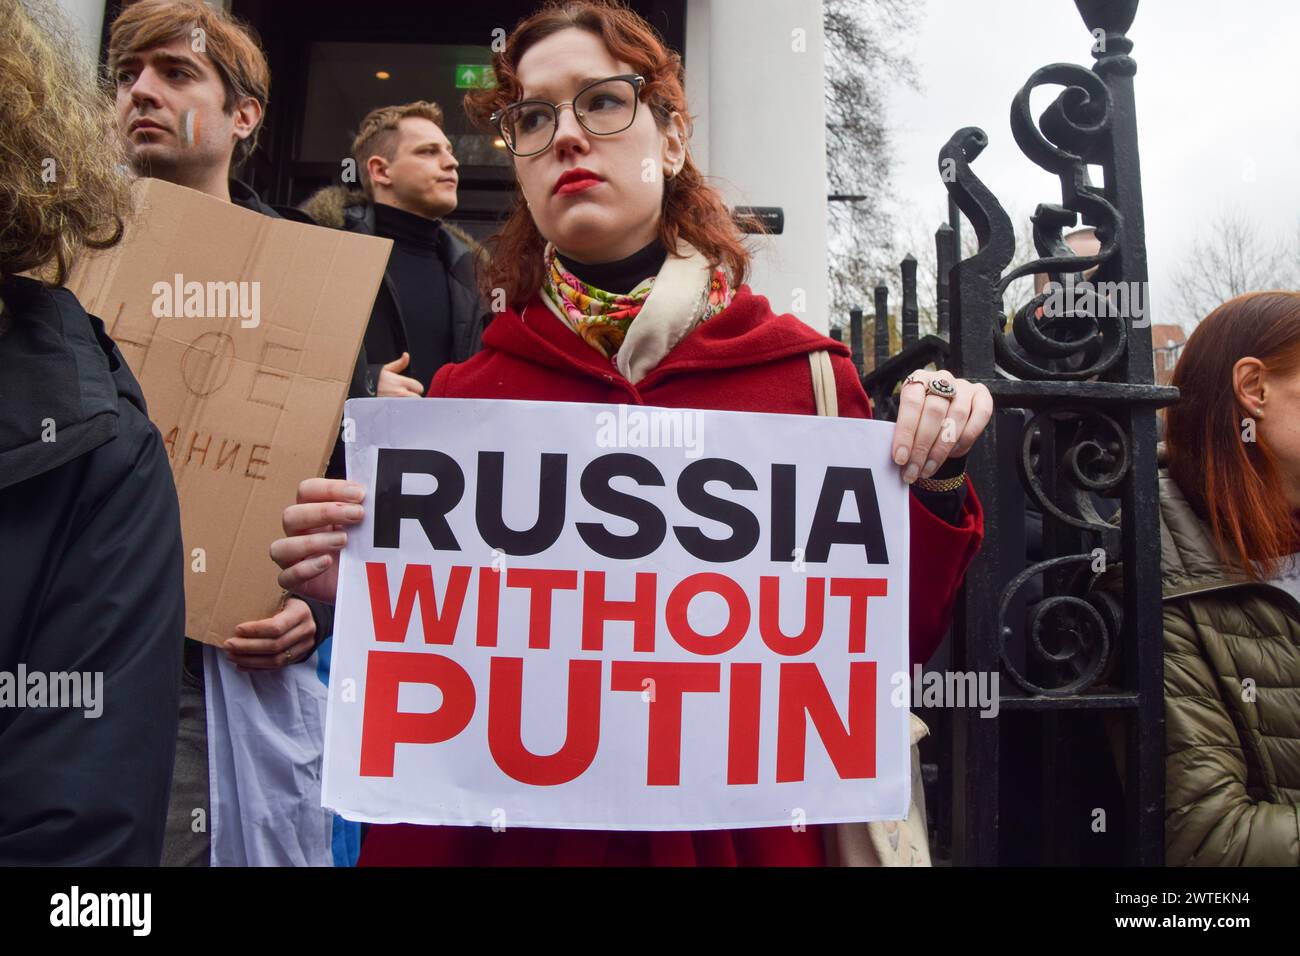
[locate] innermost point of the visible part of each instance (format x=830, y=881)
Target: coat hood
x=344, y=207
x=329, y=206
x=1188, y=556
x=61, y=378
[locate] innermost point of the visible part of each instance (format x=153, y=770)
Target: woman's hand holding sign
x=939, y=417
x=316, y=529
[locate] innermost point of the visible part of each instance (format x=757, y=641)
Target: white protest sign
x=547, y=621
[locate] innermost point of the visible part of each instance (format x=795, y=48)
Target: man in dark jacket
x=428, y=311
x=92, y=601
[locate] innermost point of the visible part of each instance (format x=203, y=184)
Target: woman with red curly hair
x=1231, y=566
x=623, y=276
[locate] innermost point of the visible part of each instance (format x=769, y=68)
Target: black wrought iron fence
x=1072, y=768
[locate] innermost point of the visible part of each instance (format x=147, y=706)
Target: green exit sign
x=472, y=76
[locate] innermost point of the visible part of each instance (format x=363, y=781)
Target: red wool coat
x=746, y=359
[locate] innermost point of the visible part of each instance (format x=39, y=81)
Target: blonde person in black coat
x=92, y=607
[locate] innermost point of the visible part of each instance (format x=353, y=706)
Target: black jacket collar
x=241, y=194
x=456, y=257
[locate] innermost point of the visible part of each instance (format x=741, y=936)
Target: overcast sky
x=1218, y=103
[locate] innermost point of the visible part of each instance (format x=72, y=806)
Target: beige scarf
x=678, y=302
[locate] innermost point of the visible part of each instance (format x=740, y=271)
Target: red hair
x=692, y=210
x=1230, y=481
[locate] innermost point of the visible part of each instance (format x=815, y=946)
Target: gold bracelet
x=944, y=484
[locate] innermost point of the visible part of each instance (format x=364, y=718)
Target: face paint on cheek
x=190, y=127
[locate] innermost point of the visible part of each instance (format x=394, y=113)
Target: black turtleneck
x=421, y=282
x=623, y=276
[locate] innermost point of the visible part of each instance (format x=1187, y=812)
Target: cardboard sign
x=243, y=332
x=603, y=617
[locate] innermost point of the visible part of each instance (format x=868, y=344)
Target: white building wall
x=755, y=75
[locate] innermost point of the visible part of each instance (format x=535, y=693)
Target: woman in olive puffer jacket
x=1229, y=499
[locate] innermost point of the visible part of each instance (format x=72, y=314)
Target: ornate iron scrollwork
x=1081, y=334
x=1094, y=463
x=1084, y=335
x=1072, y=381
x=1084, y=626
x=997, y=240
x=1083, y=339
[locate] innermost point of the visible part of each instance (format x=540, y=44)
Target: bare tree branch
x=865, y=56
x=1228, y=258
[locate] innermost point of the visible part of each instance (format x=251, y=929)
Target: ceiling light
x=382, y=75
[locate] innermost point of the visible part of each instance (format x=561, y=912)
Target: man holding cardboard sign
x=192, y=88
x=243, y=331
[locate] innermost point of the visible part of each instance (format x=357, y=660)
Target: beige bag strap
x=885, y=842
x=823, y=383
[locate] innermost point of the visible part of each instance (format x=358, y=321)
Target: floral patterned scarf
x=600, y=318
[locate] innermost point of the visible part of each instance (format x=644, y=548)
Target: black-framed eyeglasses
x=604, y=108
